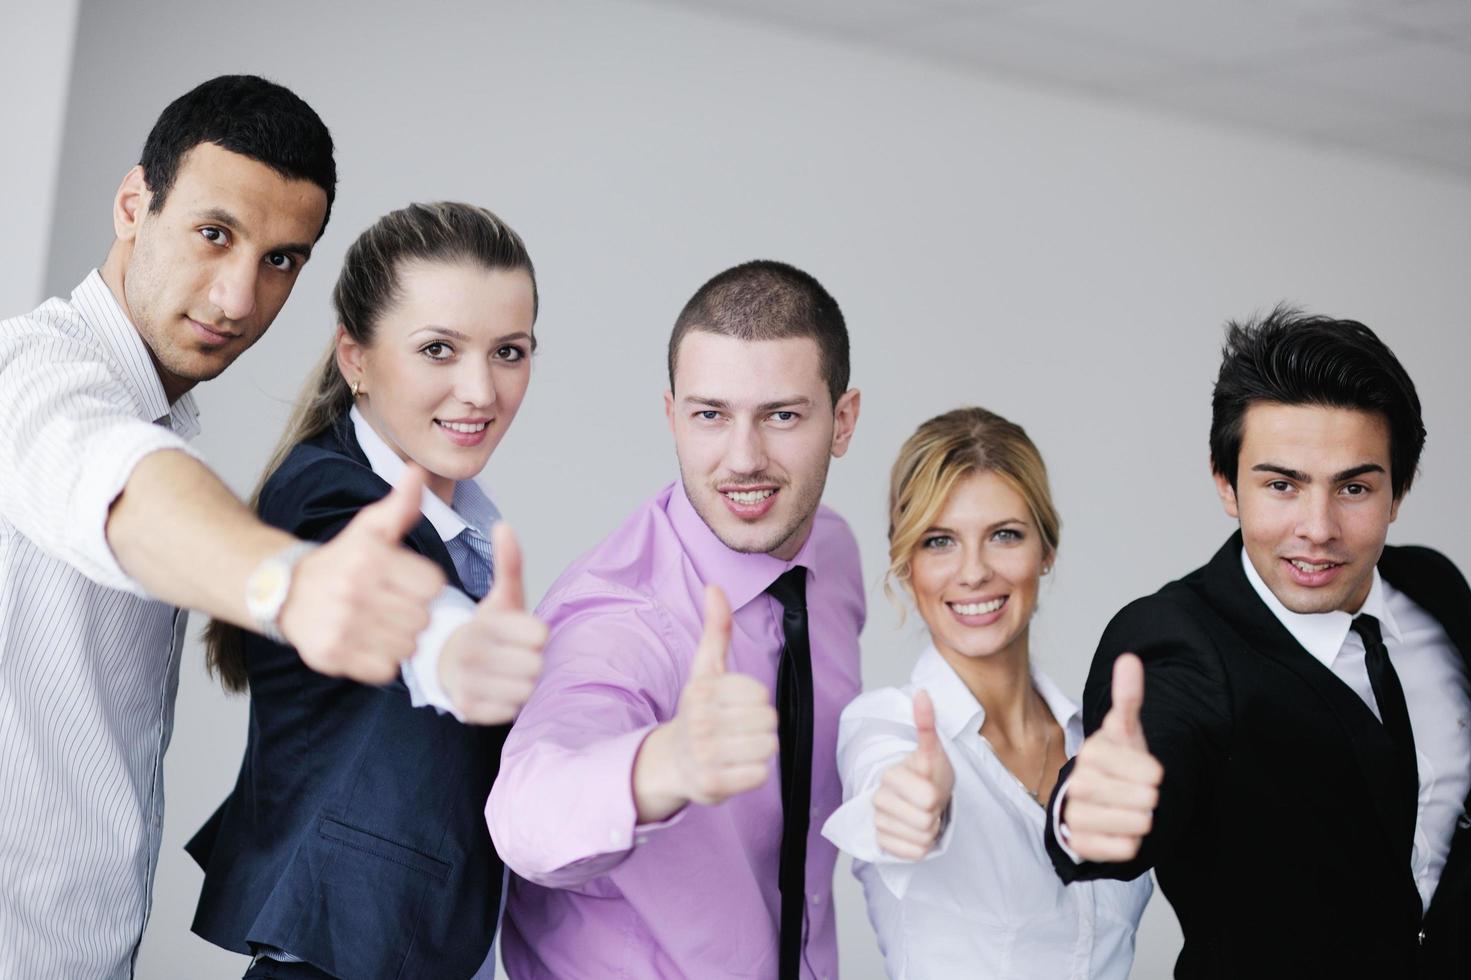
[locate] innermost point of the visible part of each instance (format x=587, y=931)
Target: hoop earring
x=357, y=384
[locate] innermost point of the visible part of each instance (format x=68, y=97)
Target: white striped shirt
x=89, y=666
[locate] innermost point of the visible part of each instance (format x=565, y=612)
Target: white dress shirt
x=985, y=901
x=89, y=666
x=1437, y=694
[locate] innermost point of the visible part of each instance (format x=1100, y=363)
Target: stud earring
x=355, y=386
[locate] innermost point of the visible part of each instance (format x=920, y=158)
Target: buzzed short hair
x=769, y=300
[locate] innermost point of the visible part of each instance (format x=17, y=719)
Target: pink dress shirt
x=696, y=895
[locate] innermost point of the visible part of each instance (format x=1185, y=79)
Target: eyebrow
x=1302, y=477
x=800, y=401
x=454, y=334
x=219, y=216
x=998, y=525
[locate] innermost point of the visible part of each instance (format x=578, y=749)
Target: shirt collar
x=1323, y=634
x=472, y=508
x=958, y=711
x=102, y=311
x=742, y=576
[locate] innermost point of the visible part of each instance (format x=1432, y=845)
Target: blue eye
x=1009, y=534
x=708, y=415
x=937, y=541
x=784, y=416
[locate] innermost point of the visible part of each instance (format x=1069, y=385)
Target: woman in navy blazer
x=354, y=844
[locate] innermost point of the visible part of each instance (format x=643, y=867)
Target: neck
x=1002, y=683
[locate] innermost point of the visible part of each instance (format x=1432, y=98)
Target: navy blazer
x=355, y=837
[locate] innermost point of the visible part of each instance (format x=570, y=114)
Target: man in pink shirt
x=662, y=793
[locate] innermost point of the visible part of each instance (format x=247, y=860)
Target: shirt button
x=642, y=839
x=816, y=899
x=615, y=836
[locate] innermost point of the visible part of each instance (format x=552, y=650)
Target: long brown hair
x=368, y=285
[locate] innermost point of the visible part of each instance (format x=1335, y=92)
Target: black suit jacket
x=1275, y=838
x=355, y=837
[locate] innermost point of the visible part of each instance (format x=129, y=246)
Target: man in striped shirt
x=110, y=527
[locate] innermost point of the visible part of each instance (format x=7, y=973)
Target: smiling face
x=975, y=571
x=203, y=278
x=1314, y=500
x=754, y=427
x=448, y=366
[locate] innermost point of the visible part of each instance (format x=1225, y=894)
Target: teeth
x=978, y=608
x=749, y=496
x=466, y=427
x=1307, y=567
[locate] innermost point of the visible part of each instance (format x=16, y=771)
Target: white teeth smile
x=748, y=496
x=1303, y=566
x=978, y=608
x=466, y=427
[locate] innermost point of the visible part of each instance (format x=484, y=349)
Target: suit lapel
x=341, y=440
x=1228, y=590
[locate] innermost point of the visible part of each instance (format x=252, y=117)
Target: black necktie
x=794, y=733
x=1390, y=697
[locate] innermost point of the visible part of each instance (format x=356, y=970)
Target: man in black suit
x=1298, y=773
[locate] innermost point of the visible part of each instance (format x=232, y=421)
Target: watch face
x=266, y=584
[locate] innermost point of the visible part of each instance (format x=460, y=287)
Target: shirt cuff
x=1060, y=829
x=110, y=467
x=450, y=610
x=851, y=828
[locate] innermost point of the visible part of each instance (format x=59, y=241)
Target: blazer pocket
x=382, y=847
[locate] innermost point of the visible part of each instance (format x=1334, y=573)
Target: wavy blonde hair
x=942, y=452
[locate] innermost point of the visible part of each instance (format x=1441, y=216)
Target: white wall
x=1068, y=263
x=36, y=43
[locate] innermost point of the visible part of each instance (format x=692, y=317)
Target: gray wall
x=36, y=43
x=1066, y=262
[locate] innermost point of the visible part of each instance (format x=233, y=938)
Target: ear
x=1394, y=507
x=845, y=419
x=350, y=359
x=1227, y=493
x=130, y=204
x=669, y=409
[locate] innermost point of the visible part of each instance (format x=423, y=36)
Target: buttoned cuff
x=450, y=610
x=851, y=828
x=1059, y=829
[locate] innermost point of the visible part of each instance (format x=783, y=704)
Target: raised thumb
x=1122, y=720
x=393, y=517
x=928, y=750
x=715, y=638
x=508, y=593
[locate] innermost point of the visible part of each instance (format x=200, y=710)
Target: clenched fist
x=909, y=805
x=1114, y=786
x=722, y=737
x=490, y=664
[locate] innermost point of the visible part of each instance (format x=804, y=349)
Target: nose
x=233, y=290
x=1317, y=520
x=974, y=569
x=746, y=451
x=475, y=384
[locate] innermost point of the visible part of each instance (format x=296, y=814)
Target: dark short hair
x=768, y=300
x=244, y=114
x=1291, y=358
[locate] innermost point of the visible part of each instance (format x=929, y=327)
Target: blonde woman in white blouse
x=945, y=779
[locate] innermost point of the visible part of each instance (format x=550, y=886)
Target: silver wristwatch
x=268, y=586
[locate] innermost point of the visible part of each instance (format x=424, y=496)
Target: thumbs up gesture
x=489, y=665
x=1114, y=786
x=910, y=803
x=722, y=737
x=356, y=605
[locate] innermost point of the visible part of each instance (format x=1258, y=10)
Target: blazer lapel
x=1228, y=590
